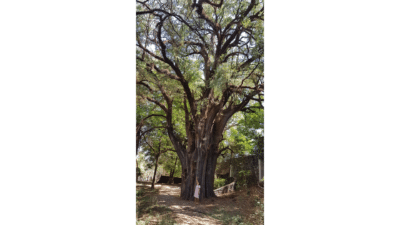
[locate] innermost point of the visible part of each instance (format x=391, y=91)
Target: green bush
x=219, y=182
x=245, y=179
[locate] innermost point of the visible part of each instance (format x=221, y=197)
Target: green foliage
x=167, y=161
x=138, y=172
x=243, y=178
x=245, y=170
x=219, y=182
x=156, y=144
x=141, y=162
x=258, y=149
x=218, y=71
x=192, y=65
x=247, y=138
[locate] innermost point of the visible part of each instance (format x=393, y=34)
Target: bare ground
x=189, y=212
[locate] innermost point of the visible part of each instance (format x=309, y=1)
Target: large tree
x=199, y=62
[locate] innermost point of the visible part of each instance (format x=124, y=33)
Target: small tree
x=156, y=145
x=170, y=163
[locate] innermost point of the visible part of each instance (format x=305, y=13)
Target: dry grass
x=243, y=206
x=148, y=211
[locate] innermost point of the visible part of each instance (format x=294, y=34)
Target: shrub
x=219, y=182
x=246, y=178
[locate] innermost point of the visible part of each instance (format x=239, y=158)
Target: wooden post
x=231, y=170
x=260, y=170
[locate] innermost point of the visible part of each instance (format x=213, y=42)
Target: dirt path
x=184, y=212
x=227, y=206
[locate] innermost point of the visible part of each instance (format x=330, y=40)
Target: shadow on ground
x=189, y=212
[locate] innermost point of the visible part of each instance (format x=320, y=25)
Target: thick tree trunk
x=199, y=168
x=154, y=175
x=198, y=155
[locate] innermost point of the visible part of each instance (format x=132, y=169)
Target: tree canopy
x=198, y=64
